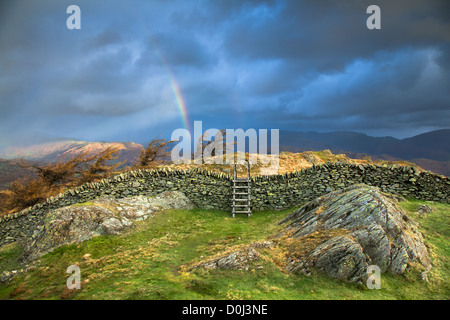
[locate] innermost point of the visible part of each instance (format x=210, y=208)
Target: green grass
x=144, y=263
x=327, y=157
x=9, y=256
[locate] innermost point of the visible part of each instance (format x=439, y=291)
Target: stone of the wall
x=211, y=190
x=282, y=191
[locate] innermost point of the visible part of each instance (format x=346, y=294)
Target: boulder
x=424, y=209
x=235, y=259
x=344, y=232
x=102, y=216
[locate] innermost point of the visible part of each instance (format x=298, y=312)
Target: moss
x=84, y=204
x=303, y=246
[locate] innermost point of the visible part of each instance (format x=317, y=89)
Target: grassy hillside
x=144, y=263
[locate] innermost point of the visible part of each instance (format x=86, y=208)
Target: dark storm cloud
x=105, y=38
x=180, y=50
x=332, y=33
x=404, y=90
x=306, y=65
x=334, y=73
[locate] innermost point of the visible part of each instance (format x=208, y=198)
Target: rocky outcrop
x=424, y=209
x=343, y=232
x=105, y=215
x=235, y=259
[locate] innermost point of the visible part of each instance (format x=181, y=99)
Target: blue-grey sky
x=293, y=65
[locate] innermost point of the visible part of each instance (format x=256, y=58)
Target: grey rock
x=340, y=257
x=374, y=231
x=236, y=260
x=78, y=223
x=424, y=210
x=113, y=225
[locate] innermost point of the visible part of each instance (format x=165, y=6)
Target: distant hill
x=54, y=151
x=64, y=149
x=430, y=150
x=437, y=141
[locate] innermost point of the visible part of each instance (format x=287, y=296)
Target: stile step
x=244, y=185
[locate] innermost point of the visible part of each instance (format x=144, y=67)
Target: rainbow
x=173, y=82
x=180, y=102
x=175, y=86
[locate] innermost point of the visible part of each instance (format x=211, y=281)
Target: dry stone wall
x=211, y=190
x=288, y=190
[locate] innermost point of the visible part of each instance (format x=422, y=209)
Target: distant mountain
x=64, y=149
x=52, y=151
x=435, y=140
x=430, y=150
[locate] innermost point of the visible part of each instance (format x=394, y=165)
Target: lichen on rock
x=102, y=216
x=341, y=234
x=374, y=231
x=235, y=258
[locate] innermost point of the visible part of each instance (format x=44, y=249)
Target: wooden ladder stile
x=242, y=193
